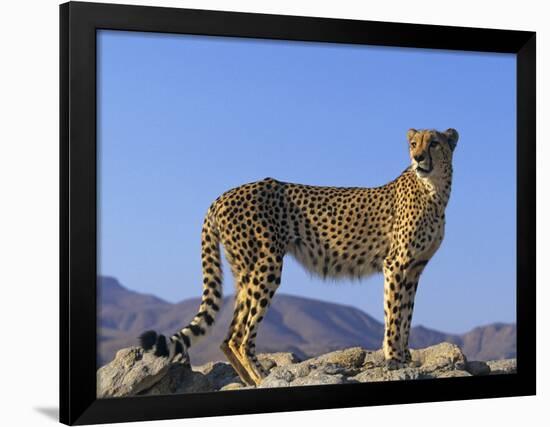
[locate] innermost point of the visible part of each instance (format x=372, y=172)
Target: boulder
x=271, y=360
x=504, y=366
x=439, y=358
x=133, y=372
x=181, y=379
x=219, y=374
x=478, y=368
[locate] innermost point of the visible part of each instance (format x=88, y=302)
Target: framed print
x=268, y=213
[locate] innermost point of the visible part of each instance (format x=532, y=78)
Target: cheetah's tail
x=210, y=304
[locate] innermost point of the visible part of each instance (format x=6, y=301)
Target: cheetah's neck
x=438, y=187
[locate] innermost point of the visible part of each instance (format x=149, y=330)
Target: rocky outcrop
x=134, y=373
x=131, y=372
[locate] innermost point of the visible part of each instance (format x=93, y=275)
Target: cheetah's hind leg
x=240, y=315
x=259, y=292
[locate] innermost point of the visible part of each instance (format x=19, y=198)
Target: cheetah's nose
x=419, y=158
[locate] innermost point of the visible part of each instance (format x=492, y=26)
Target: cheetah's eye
x=434, y=143
x=413, y=144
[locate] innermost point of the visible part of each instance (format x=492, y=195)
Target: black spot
x=263, y=302
x=271, y=278
x=178, y=347
x=162, y=348
x=196, y=330
x=209, y=319
x=186, y=340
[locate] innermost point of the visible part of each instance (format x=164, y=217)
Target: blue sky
x=181, y=119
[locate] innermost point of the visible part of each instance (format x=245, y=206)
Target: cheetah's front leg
x=399, y=292
x=398, y=304
x=392, y=322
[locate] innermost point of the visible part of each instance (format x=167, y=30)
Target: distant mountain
x=304, y=326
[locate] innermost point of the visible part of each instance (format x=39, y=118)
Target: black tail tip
x=148, y=339
x=161, y=347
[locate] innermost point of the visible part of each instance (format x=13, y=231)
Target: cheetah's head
x=431, y=151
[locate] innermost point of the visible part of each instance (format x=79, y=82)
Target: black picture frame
x=78, y=25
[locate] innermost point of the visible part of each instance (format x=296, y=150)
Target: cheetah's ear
x=410, y=134
x=452, y=137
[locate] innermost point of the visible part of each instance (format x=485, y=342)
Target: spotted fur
x=333, y=232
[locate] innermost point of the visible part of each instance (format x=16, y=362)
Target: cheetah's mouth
x=425, y=167
x=422, y=171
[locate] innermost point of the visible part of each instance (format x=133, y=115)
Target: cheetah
x=334, y=232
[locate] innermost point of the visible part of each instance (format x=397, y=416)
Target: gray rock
x=504, y=366
x=432, y=362
x=270, y=360
x=374, y=359
x=331, y=368
x=383, y=374
x=278, y=377
x=218, y=373
x=131, y=372
x=439, y=358
x=181, y=379
x=349, y=361
x=319, y=378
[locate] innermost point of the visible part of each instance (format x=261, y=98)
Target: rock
x=284, y=376
x=438, y=358
x=478, y=368
x=218, y=373
x=437, y=361
x=374, y=359
x=504, y=366
x=278, y=377
x=320, y=378
x=131, y=372
x=382, y=374
x=330, y=368
x=349, y=360
x=181, y=379
x=271, y=360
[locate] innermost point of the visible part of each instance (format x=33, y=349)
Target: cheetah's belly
x=337, y=263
